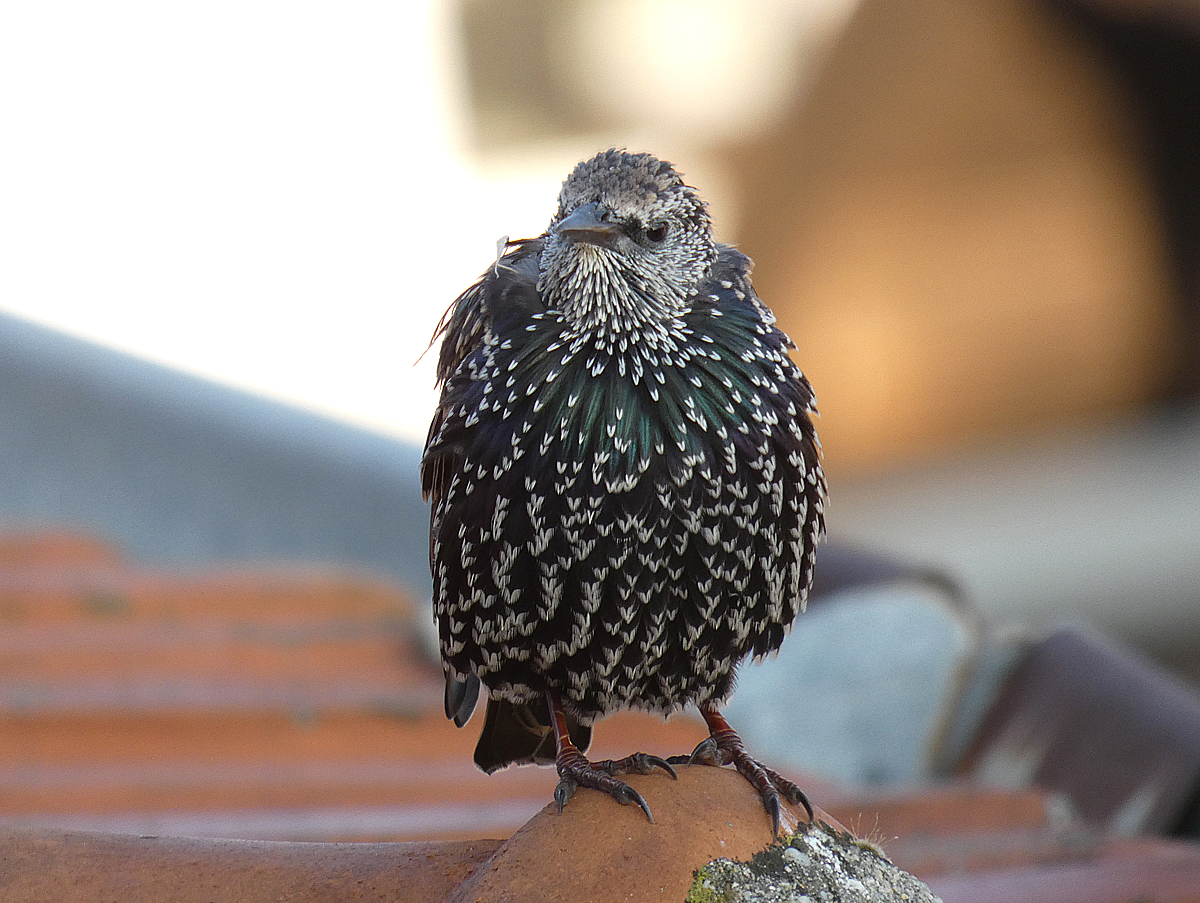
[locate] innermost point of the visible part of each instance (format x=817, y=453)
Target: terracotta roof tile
x=295, y=702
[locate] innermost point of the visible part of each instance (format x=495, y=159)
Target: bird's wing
x=462, y=331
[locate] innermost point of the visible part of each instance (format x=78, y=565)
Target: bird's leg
x=574, y=770
x=724, y=747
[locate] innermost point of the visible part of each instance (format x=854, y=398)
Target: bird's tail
x=520, y=734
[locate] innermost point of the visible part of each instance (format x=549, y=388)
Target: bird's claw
x=770, y=800
x=564, y=790
x=577, y=771
x=626, y=795
x=708, y=752
x=770, y=784
x=795, y=796
x=789, y=791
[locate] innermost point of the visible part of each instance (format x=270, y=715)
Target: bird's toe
x=638, y=763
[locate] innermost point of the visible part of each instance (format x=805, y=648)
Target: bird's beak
x=586, y=225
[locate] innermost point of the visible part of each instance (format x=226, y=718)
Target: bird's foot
x=574, y=770
x=725, y=747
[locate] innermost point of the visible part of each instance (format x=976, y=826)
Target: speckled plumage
x=627, y=494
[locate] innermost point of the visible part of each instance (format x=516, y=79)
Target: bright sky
x=272, y=194
x=277, y=194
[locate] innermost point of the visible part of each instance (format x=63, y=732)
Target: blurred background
x=227, y=231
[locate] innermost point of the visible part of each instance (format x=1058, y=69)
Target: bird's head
x=628, y=246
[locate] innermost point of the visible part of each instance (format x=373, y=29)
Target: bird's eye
x=657, y=234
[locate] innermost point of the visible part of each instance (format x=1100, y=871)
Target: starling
x=625, y=480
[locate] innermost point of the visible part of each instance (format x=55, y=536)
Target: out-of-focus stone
x=818, y=863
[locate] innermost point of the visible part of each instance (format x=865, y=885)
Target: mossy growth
x=817, y=863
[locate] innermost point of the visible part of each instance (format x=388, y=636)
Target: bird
x=625, y=483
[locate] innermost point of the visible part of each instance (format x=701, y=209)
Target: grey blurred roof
x=178, y=469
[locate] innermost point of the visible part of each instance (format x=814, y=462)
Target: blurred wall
x=948, y=204
x=955, y=228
